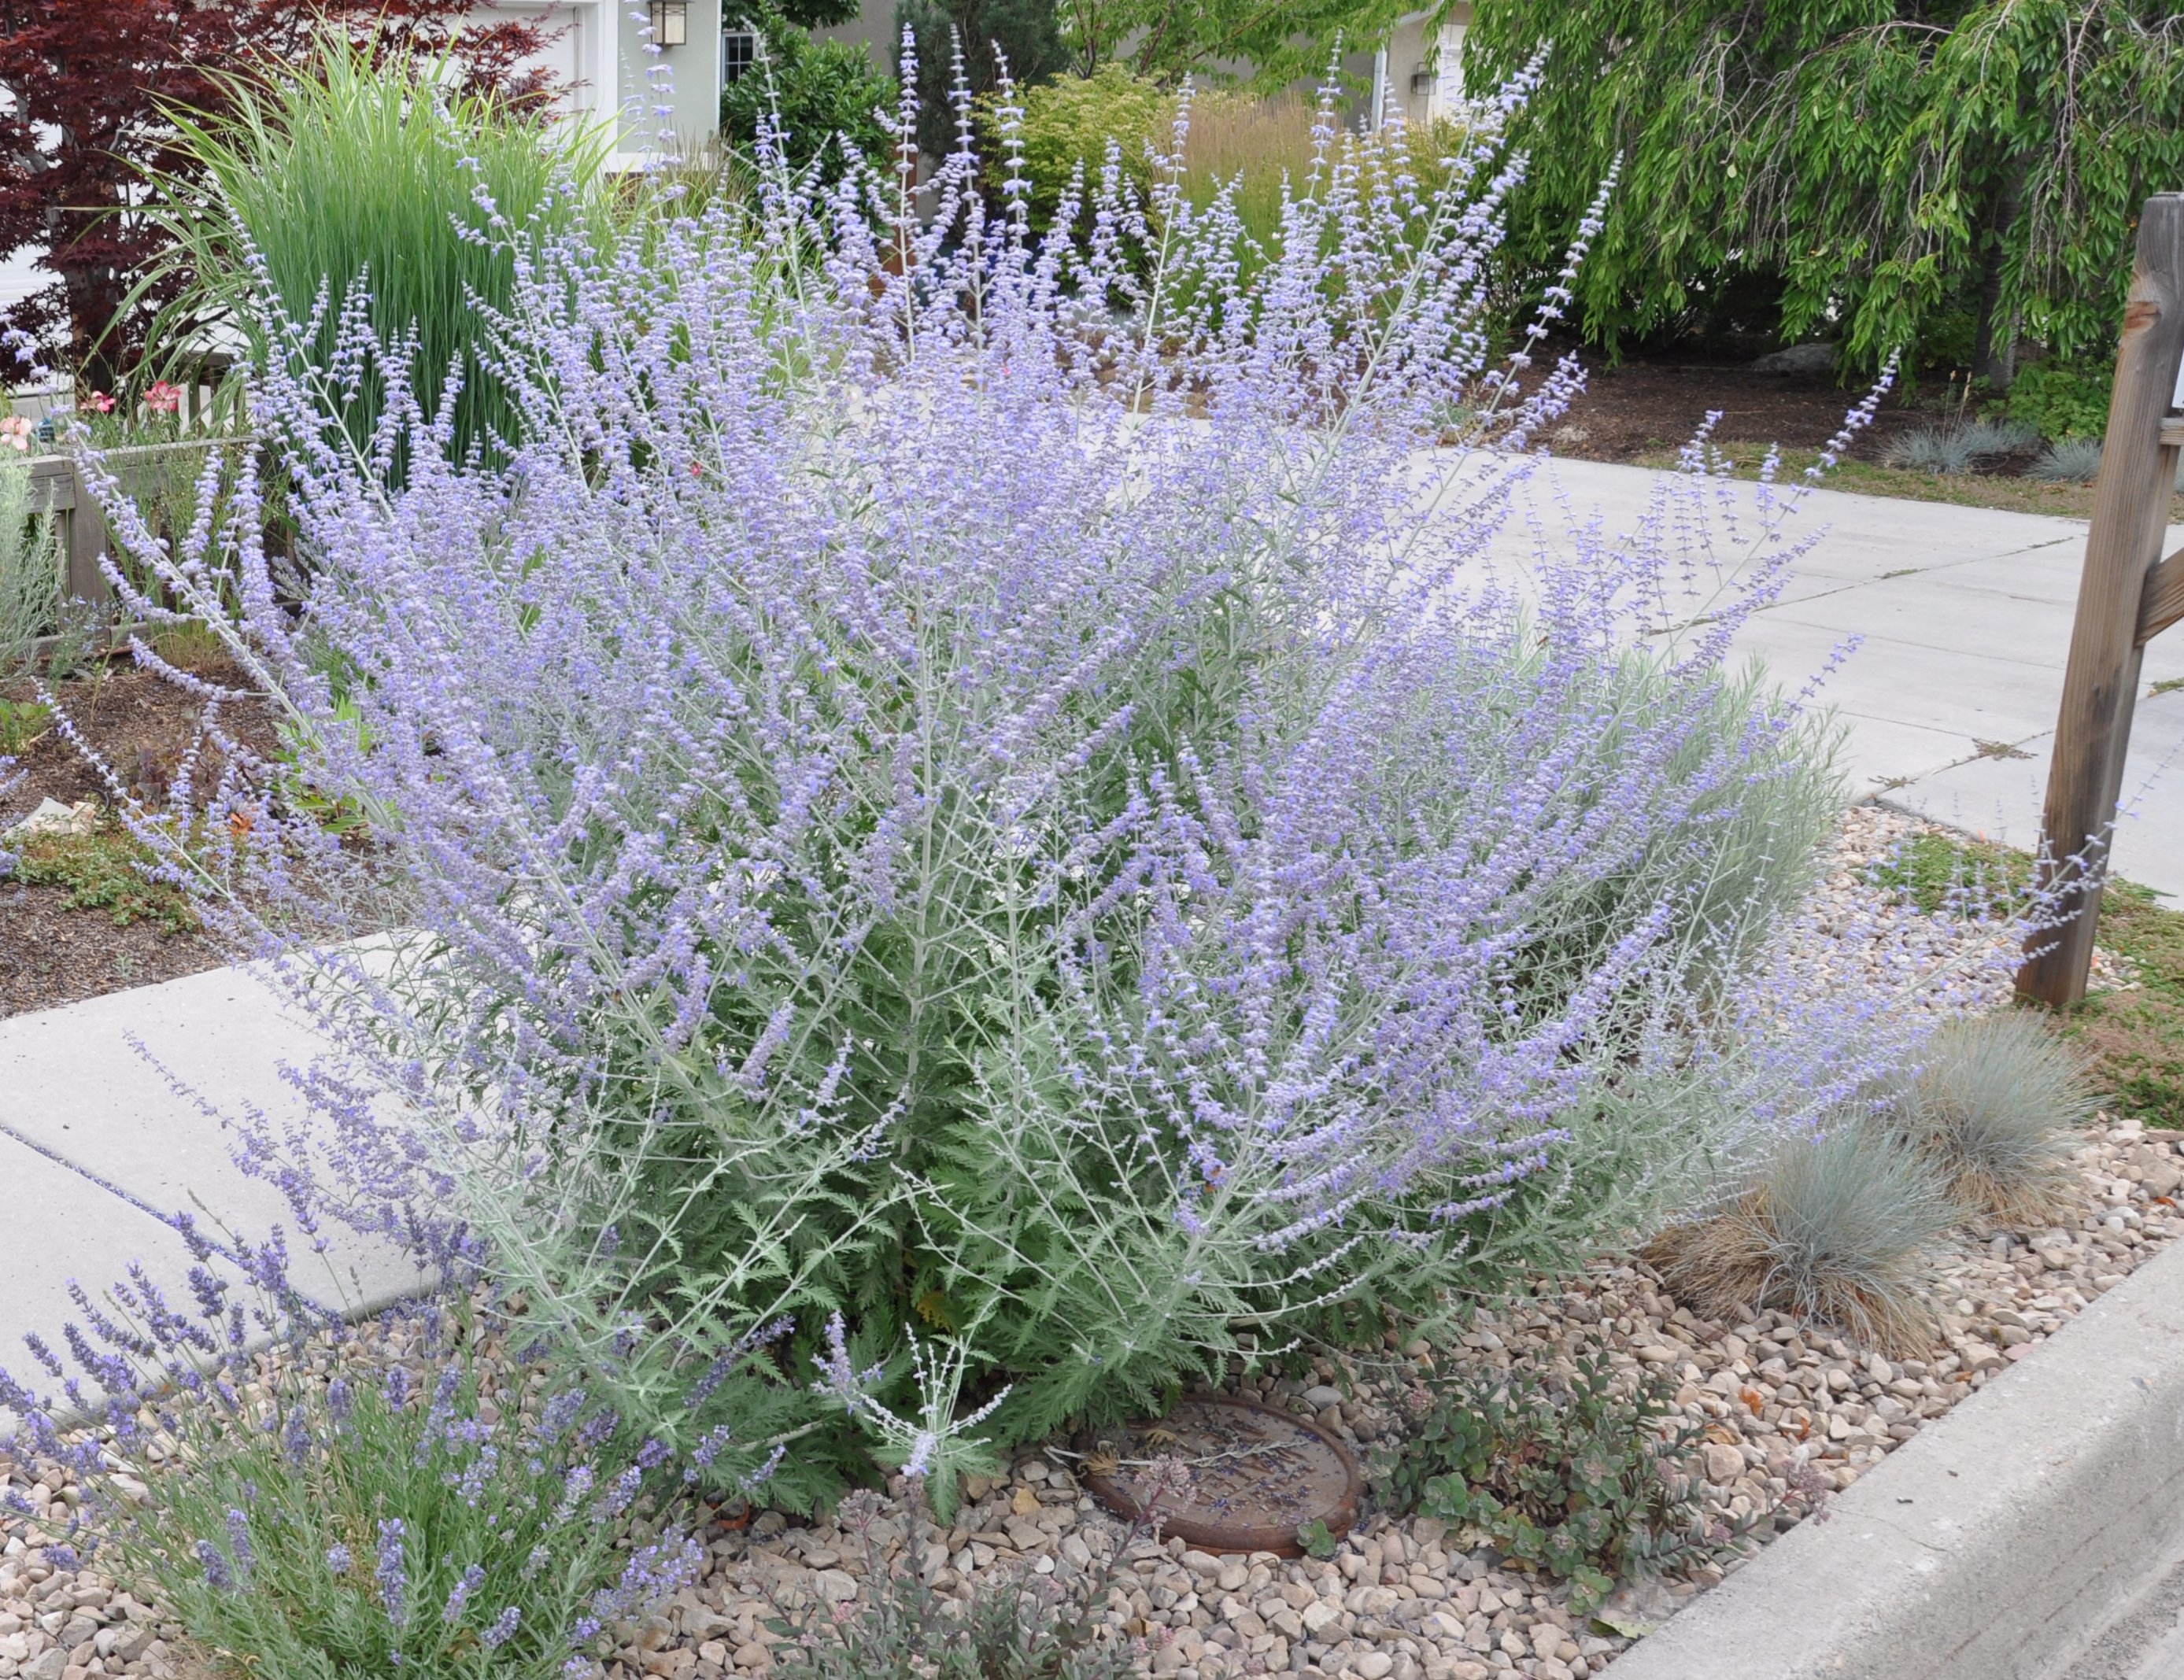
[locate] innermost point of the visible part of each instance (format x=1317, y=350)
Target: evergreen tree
x=1025, y=35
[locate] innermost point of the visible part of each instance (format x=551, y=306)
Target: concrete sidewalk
x=99, y=1150
x=1963, y=621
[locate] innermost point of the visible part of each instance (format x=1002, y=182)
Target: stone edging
x=1995, y=1546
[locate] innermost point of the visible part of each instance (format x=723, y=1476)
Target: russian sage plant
x=989, y=786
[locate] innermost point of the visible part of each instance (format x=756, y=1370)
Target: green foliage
x=1571, y=1473
x=810, y=15
x=1067, y=123
x=348, y=176
x=2136, y=1037
x=1937, y=873
x=21, y=722
x=1318, y=1539
x=2063, y=399
x=1890, y=168
x=105, y=870
x=1994, y=1107
x=823, y=92
x=1215, y=41
x=1254, y=151
x=30, y=568
x=272, y=1547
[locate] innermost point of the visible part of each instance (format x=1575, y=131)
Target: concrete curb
x=1996, y=1544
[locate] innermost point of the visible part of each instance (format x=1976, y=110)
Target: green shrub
x=1023, y=34
x=1067, y=124
x=823, y=92
x=2063, y=399
x=1253, y=146
x=1993, y=1109
x=1569, y=1473
x=30, y=568
x=1833, y=1228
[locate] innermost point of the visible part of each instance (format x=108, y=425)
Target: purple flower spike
x=391, y=1572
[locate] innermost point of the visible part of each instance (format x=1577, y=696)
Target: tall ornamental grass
x=950, y=800
x=345, y=186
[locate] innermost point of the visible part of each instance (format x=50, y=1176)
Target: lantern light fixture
x=670, y=22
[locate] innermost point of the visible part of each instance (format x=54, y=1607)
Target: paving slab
x=101, y=1145
x=91, y=1081
x=1963, y=621
x=61, y=1230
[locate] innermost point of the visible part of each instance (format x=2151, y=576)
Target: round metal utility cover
x=1257, y=1474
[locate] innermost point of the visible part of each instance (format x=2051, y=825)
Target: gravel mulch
x=1791, y=1413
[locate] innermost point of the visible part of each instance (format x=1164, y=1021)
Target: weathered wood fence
x=2127, y=595
x=58, y=488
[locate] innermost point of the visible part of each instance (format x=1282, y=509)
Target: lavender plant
x=30, y=569
x=986, y=786
x=309, y=1500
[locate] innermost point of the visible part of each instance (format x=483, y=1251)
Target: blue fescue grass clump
x=357, y=183
x=1834, y=1228
x=1995, y=1107
x=1960, y=447
x=977, y=795
x=2070, y=460
x=312, y=1500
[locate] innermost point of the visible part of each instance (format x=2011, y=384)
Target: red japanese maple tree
x=85, y=84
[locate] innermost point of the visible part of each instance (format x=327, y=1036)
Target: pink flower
x=15, y=433
x=100, y=402
x=163, y=398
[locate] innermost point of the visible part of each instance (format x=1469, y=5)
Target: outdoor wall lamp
x=670, y=22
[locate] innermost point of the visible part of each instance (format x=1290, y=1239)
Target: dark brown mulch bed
x=50, y=952
x=1644, y=406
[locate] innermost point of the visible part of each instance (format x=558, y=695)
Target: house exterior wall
x=600, y=51
x=1425, y=64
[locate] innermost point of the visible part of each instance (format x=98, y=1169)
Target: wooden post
x=2126, y=595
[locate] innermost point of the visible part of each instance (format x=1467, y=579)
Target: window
x=739, y=52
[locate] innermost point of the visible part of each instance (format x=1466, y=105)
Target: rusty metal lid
x=1257, y=1474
